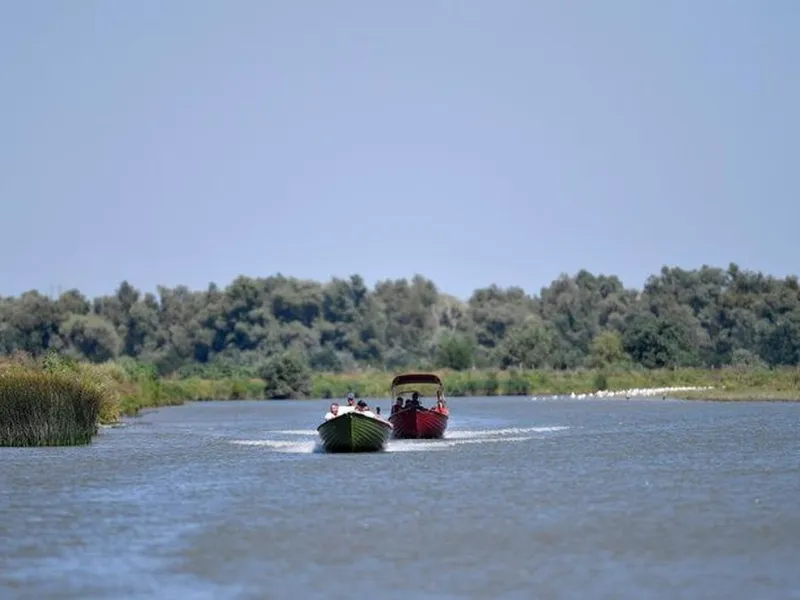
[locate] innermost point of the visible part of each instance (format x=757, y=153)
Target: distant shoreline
x=724, y=384
x=646, y=392
x=688, y=393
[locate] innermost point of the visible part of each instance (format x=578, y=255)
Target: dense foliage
x=278, y=328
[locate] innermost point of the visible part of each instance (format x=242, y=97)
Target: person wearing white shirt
x=333, y=412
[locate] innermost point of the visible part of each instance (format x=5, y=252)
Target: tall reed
x=39, y=408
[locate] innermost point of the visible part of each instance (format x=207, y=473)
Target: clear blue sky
x=475, y=142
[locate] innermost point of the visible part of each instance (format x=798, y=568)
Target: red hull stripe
x=416, y=423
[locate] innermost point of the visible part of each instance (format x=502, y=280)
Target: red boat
x=411, y=420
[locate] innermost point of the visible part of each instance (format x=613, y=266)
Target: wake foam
x=456, y=434
x=289, y=447
x=444, y=444
x=452, y=439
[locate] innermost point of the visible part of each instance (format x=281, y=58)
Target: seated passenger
x=398, y=404
x=334, y=411
x=441, y=405
x=351, y=403
x=363, y=408
x=378, y=410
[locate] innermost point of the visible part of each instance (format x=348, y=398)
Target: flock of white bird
x=631, y=393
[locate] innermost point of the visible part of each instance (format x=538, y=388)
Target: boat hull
x=418, y=423
x=354, y=432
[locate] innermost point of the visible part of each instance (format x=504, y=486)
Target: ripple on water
x=579, y=499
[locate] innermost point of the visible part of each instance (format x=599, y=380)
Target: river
x=525, y=498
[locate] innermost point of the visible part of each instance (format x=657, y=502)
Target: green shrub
x=287, y=375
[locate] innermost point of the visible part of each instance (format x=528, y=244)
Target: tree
x=92, y=336
x=707, y=317
x=607, y=350
x=287, y=375
x=455, y=351
x=527, y=346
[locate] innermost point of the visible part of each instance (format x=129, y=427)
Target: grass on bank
x=727, y=382
x=743, y=395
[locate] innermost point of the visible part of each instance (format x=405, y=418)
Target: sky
x=473, y=142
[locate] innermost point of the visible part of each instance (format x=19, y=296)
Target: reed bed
x=39, y=408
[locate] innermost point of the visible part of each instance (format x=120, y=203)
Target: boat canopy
x=407, y=380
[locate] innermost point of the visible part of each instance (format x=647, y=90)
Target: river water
x=525, y=498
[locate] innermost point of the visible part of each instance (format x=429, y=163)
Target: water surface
x=525, y=498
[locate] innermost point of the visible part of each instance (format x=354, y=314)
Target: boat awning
x=416, y=379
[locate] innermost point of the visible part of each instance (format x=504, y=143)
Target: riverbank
x=742, y=395
x=126, y=387
x=705, y=393
x=144, y=390
x=730, y=383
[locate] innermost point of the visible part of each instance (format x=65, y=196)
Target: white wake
x=452, y=439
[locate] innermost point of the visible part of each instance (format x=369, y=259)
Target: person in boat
x=351, y=403
x=363, y=408
x=334, y=411
x=378, y=410
x=398, y=405
x=441, y=405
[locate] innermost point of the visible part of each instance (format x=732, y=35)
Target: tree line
x=707, y=317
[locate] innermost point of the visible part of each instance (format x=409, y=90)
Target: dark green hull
x=354, y=432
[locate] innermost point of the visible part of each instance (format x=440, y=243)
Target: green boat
x=353, y=431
